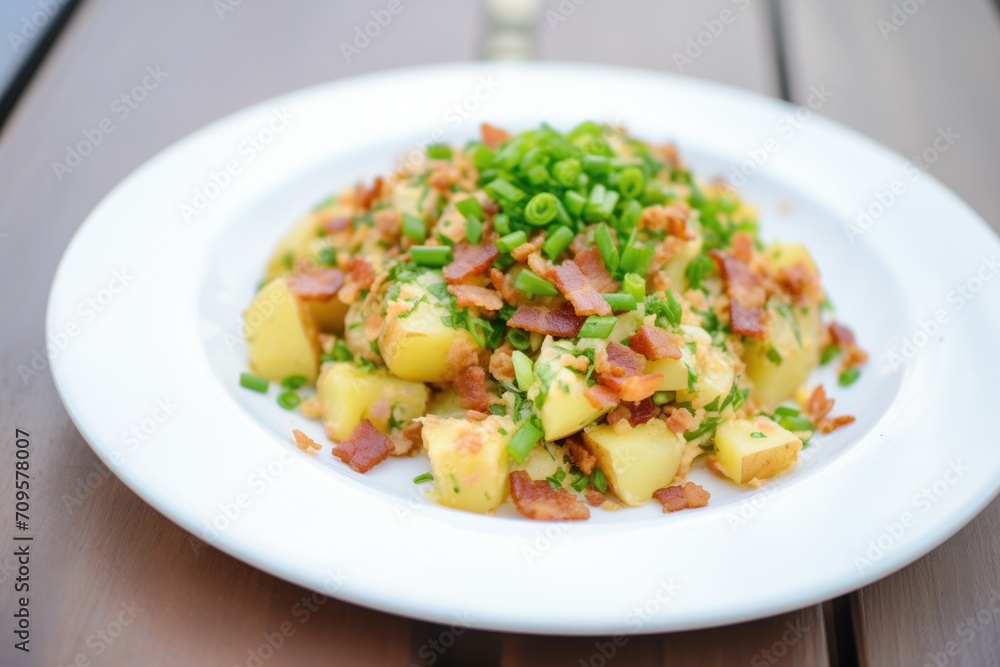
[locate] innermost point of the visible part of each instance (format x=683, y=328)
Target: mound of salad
x=568, y=320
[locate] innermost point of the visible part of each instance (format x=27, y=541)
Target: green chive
x=529, y=283
x=293, y=381
x=557, y=241
x=773, y=356
x=597, y=165
x=482, y=157
x=631, y=182
x=473, y=229
x=471, y=208
x=288, y=400
x=501, y=223
x=254, y=382
x=796, y=423
x=630, y=216
x=606, y=244
x=829, y=352
x=424, y=477
x=664, y=397
x=620, y=301
x=433, y=256
x=518, y=338
x=511, y=241
x=523, y=440
x=538, y=175
x=597, y=326
x=439, y=152
x=757, y=434
x=635, y=285
x=599, y=481
x=595, y=204
x=414, y=227
x=542, y=209
x=580, y=483
x=636, y=256
x=575, y=203
x=849, y=377
x=566, y=172
x=501, y=188
x=523, y=370
x=340, y=352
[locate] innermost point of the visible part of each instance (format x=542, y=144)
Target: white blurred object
x=511, y=29
x=514, y=11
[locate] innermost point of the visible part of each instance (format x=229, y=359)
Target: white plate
x=147, y=364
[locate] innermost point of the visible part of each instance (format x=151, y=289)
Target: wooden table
x=115, y=583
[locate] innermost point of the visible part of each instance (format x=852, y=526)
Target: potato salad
x=567, y=320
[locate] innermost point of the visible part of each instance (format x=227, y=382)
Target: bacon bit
x=600, y=397
x=493, y=136
x=365, y=197
x=462, y=353
x=504, y=285
x=443, y=177
x=569, y=279
x=473, y=295
x=800, y=282
x=360, y=276
x=654, y=343
x=336, y=224
x=539, y=501
x=304, y=442
x=671, y=219
x=743, y=249
x=853, y=356
x=592, y=266
x=365, y=448
x=470, y=385
x=470, y=260
x=746, y=295
x=476, y=415
x=594, y=497
x=818, y=406
x=676, y=498
x=580, y=363
x=316, y=285
x=408, y=439
x=389, y=223
x=579, y=244
x=841, y=335
x=640, y=387
x=380, y=410
x=580, y=455
x=501, y=363
x=641, y=411
x=561, y=322
x=832, y=424
x=490, y=208
x=680, y=421
x=620, y=413
x=522, y=252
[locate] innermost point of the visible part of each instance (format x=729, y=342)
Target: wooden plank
x=901, y=78
x=641, y=34
x=99, y=563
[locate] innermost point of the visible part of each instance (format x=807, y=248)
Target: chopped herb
x=511, y=241
x=524, y=440
x=621, y=301
x=471, y=208
x=254, y=383
x=433, y=256
x=829, y=352
x=757, y=434
x=556, y=479
x=713, y=406
x=499, y=410
x=522, y=370
x=598, y=326
x=454, y=482
x=692, y=380
x=664, y=397
x=424, y=477
x=473, y=229
x=327, y=256
x=849, y=377
x=580, y=483
x=439, y=152
x=293, y=381
x=599, y=480
x=697, y=270
x=773, y=356
x=289, y=400
x=414, y=227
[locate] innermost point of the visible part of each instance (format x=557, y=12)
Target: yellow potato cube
x=281, y=335
x=565, y=409
x=348, y=394
x=781, y=363
x=757, y=448
x=637, y=462
x=469, y=460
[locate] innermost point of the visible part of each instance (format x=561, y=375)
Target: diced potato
x=446, y=404
x=675, y=371
x=545, y=461
x=677, y=265
x=349, y=393
x=565, y=409
x=758, y=448
x=469, y=460
x=781, y=363
x=637, y=462
x=281, y=335
x=415, y=343
x=293, y=247
x=784, y=255
x=715, y=377
x=329, y=315
x=418, y=200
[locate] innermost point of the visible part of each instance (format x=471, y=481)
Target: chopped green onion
x=327, y=256
x=439, y=152
x=501, y=188
x=433, y=256
x=664, y=397
x=538, y=175
x=757, y=434
x=597, y=165
x=796, y=423
x=542, y=209
x=575, y=203
x=254, y=382
x=566, y=172
x=635, y=285
x=557, y=241
x=482, y=157
x=518, y=338
x=473, y=229
x=288, y=400
x=523, y=440
x=580, y=483
x=630, y=216
x=556, y=479
x=606, y=244
x=631, y=182
x=600, y=204
x=501, y=223
x=500, y=410
x=698, y=269
x=598, y=326
x=471, y=208
x=636, y=256
x=523, y=370
x=511, y=241
x=620, y=301
x=599, y=481
x=829, y=352
x=528, y=282
x=849, y=377
x=293, y=381
x=773, y=356
x=340, y=352
x=424, y=477
x=414, y=227
x=785, y=411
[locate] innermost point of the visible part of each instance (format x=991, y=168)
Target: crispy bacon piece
x=841, y=335
x=304, y=442
x=408, y=439
x=539, y=501
x=364, y=197
x=800, y=283
x=829, y=425
x=680, y=421
x=641, y=411
x=533, y=245
x=594, y=497
x=473, y=295
x=676, y=498
x=360, y=276
x=470, y=385
x=337, y=223
x=493, y=136
x=620, y=413
x=580, y=455
x=620, y=369
x=601, y=397
x=503, y=285
x=746, y=295
x=639, y=387
x=561, y=322
x=592, y=266
x=389, y=223
x=743, y=248
x=671, y=219
x=364, y=448
x=470, y=260
x=316, y=285
x=569, y=280
x=654, y=343
x=501, y=363
x=819, y=405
